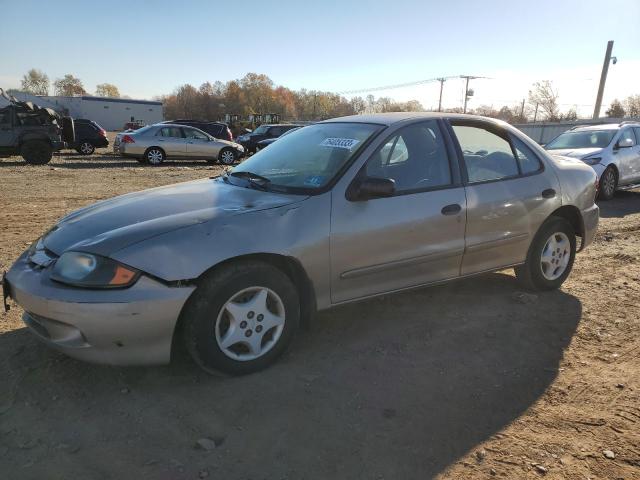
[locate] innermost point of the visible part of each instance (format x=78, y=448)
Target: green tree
x=35, y=82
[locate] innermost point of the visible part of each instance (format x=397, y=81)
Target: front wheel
x=550, y=257
x=227, y=156
x=241, y=318
x=154, y=156
x=608, y=184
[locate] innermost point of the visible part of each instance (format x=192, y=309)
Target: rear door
x=198, y=144
x=509, y=194
x=172, y=141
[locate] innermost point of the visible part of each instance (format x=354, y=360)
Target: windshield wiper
x=253, y=178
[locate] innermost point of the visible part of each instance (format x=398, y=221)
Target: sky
x=148, y=48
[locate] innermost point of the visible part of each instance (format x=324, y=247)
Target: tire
x=256, y=345
x=36, y=152
x=608, y=184
x=227, y=156
x=86, y=148
x=538, y=274
x=154, y=156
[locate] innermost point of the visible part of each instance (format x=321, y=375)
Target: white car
x=612, y=150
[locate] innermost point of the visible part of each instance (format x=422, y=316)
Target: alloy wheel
x=227, y=157
x=250, y=323
x=86, y=148
x=154, y=156
x=608, y=183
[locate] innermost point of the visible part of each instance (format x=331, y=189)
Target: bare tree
x=36, y=82
x=107, y=90
x=616, y=110
x=69, y=86
x=632, y=105
x=546, y=98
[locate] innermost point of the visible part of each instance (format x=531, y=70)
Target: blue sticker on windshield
x=314, y=181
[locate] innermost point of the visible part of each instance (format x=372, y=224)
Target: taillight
x=230, y=134
x=103, y=133
x=128, y=139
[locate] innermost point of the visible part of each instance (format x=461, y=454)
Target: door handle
x=549, y=193
x=452, y=209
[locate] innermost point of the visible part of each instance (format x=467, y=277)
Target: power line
x=397, y=85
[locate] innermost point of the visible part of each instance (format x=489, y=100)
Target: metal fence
x=545, y=132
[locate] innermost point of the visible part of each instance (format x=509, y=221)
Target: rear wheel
x=227, y=156
x=550, y=257
x=608, y=184
x=86, y=148
x=241, y=318
x=154, y=156
x=36, y=152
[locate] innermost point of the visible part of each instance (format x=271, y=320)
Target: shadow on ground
x=397, y=387
x=621, y=205
x=100, y=161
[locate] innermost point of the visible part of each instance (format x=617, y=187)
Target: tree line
x=256, y=93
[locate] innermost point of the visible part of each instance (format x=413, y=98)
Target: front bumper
x=132, y=326
x=590, y=219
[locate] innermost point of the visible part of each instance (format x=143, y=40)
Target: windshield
x=262, y=129
x=310, y=157
x=582, y=139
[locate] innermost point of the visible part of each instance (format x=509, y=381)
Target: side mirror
x=372, y=187
x=624, y=143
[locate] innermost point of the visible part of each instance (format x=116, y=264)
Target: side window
x=173, y=132
x=627, y=133
x=415, y=158
x=637, y=132
x=487, y=156
x=275, y=131
x=529, y=162
x=192, y=133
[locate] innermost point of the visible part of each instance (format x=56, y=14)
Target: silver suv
x=612, y=150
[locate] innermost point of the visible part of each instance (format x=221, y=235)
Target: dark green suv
x=31, y=131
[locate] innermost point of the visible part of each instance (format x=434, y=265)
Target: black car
x=263, y=132
x=215, y=129
x=89, y=136
x=268, y=141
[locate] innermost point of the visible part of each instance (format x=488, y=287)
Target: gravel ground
x=468, y=380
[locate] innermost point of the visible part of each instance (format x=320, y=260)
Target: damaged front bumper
x=132, y=326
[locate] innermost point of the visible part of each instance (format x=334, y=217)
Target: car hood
x=575, y=152
x=108, y=226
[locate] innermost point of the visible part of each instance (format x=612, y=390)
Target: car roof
x=397, y=117
x=602, y=126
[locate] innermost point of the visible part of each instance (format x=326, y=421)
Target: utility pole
x=603, y=78
x=522, y=111
x=535, y=114
x=441, y=80
x=466, y=90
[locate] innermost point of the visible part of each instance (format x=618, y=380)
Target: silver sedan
x=155, y=143
x=336, y=212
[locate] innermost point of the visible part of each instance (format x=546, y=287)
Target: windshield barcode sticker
x=347, y=143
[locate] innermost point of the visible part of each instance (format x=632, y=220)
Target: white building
x=109, y=113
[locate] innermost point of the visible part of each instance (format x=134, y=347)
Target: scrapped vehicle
x=215, y=129
x=336, y=212
x=133, y=125
x=612, y=150
x=31, y=131
x=155, y=143
x=250, y=140
x=268, y=141
x=89, y=136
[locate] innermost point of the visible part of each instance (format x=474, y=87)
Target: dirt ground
x=466, y=380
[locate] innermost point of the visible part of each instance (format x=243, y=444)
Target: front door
x=7, y=133
x=415, y=236
x=627, y=158
x=509, y=195
x=198, y=144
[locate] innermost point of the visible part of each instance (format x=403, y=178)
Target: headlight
x=592, y=160
x=93, y=271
